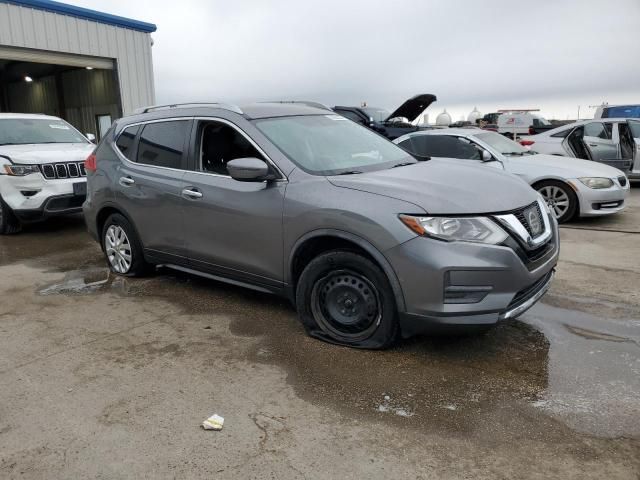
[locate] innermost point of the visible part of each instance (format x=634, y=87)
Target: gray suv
x=292, y=199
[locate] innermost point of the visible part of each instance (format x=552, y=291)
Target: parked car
x=391, y=125
x=570, y=187
x=612, y=141
x=41, y=169
x=522, y=123
x=290, y=199
x=618, y=111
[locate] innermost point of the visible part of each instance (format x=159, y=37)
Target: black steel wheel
x=345, y=298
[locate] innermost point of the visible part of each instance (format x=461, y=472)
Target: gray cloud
x=496, y=54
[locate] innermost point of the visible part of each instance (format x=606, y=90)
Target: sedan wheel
x=561, y=200
x=118, y=249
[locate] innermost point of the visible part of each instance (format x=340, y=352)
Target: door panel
x=150, y=184
x=634, y=126
x=599, y=143
x=235, y=228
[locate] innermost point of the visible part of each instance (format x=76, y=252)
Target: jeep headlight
x=596, y=182
x=461, y=229
x=21, y=170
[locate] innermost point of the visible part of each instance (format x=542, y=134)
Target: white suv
x=41, y=169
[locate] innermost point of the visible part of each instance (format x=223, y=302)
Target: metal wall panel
x=36, y=97
x=131, y=49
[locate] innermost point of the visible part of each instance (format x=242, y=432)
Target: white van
x=522, y=123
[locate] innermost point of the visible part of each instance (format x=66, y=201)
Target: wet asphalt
x=555, y=394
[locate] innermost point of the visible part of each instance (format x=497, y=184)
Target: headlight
x=461, y=229
x=21, y=170
x=597, y=182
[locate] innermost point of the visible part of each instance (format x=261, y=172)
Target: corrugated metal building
x=85, y=66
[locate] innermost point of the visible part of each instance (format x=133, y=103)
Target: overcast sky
x=553, y=54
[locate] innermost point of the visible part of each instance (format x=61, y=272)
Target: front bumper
x=510, y=285
x=600, y=201
x=33, y=198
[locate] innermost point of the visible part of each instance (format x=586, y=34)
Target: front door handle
x=126, y=181
x=593, y=144
x=191, y=193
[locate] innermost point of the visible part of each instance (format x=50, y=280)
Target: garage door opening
x=88, y=97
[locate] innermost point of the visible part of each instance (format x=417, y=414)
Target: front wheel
x=8, y=222
x=562, y=201
x=344, y=298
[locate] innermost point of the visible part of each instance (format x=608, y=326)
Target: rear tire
x=122, y=248
x=346, y=299
x=9, y=223
x=561, y=199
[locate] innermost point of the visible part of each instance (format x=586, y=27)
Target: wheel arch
x=314, y=243
x=105, y=212
x=563, y=181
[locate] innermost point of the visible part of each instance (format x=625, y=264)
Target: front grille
x=53, y=171
x=520, y=215
x=622, y=180
x=528, y=292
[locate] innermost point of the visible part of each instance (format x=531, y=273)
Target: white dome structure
x=444, y=119
x=474, y=116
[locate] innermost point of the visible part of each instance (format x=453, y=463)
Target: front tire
x=562, y=201
x=9, y=223
x=344, y=298
x=122, y=248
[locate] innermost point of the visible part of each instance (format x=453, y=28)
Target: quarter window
x=126, y=140
x=562, y=133
x=162, y=144
x=595, y=129
x=221, y=143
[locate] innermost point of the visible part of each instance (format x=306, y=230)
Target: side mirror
x=91, y=137
x=486, y=156
x=248, y=169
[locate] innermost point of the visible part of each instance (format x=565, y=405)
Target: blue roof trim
x=86, y=14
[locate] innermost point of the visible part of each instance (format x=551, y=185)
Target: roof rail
x=304, y=102
x=225, y=106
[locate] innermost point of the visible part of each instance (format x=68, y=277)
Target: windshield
x=502, y=144
x=331, y=144
x=378, y=114
x=23, y=131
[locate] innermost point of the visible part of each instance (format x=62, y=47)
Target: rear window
x=162, y=144
x=125, y=141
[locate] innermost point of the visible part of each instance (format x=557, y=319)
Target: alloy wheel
x=556, y=198
x=118, y=249
x=346, y=304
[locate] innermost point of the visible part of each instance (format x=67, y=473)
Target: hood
x=47, y=152
x=413, y=107
x=567, y=167
x=445, y=187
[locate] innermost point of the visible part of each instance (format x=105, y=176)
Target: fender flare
x=360, y=242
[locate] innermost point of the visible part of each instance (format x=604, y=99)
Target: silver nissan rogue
x=292, y=199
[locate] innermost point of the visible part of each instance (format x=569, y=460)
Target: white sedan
x=612, y=141
x=571, y=187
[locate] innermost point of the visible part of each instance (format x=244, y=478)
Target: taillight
x=90, y=164
x=527, y=143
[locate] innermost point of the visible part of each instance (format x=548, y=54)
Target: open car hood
x=413, y=107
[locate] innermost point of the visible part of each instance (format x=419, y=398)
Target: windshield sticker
x=336, y=118
x=58, y=126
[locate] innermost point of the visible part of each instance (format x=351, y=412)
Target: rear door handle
x=191, y=193
x=126, y=181
x=593, y=144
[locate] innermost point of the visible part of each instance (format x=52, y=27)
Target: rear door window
x=126, y=140
x=597, y=130
x=162, y=144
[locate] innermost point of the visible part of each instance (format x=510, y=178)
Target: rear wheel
x=562, y=201
x=8, y=221
x=344, y=298
x=122, y=248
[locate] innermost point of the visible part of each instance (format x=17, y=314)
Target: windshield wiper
x=403, y=164
x=349, y=172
